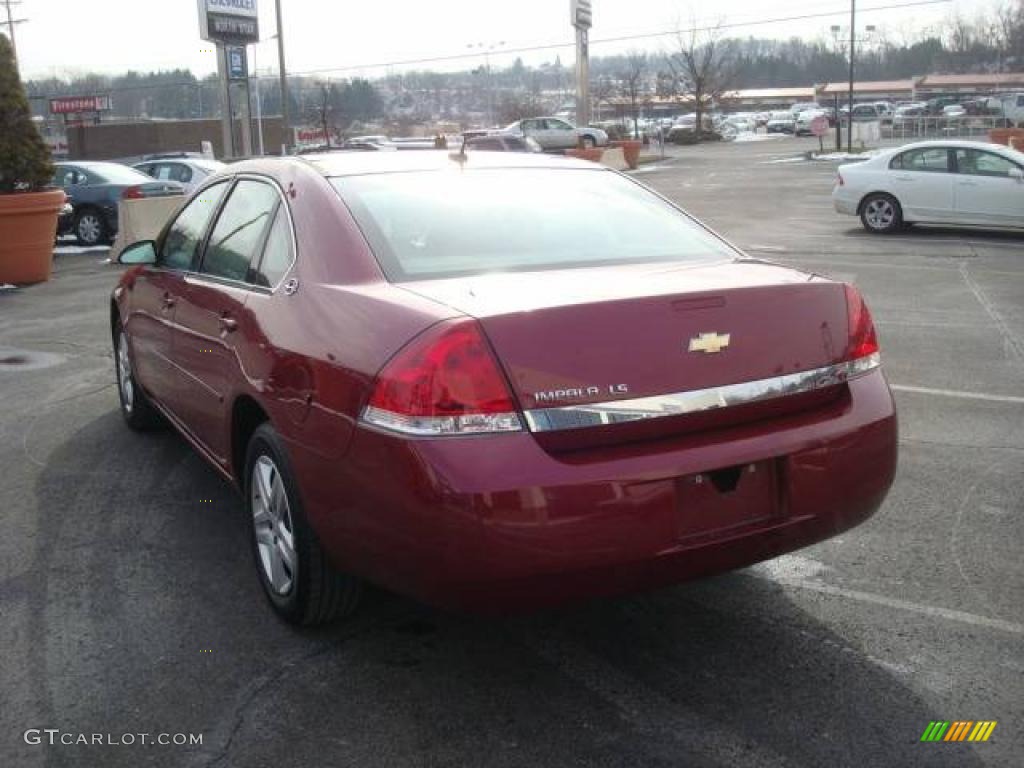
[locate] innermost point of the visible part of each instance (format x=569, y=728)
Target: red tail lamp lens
x=444, y=381
x=863, y=340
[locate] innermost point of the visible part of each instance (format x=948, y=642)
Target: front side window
x=977, y=163
x=933, y=160
x=433, y=224
x=238, y=233
x=182, y=241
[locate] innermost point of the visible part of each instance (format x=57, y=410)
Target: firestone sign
x=71, y=104
x=229, y=21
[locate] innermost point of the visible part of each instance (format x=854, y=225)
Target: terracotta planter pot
x=1003, y=135
x=593, y=155
x=631, y=149
x=28, y=226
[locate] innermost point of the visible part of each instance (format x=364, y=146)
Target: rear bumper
x=497, y=523
x=844, y=205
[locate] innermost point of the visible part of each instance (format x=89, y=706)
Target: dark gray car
x=95, y=189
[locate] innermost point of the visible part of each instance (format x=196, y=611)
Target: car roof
x=363, y=163
x=97, y=164
x=953, y=143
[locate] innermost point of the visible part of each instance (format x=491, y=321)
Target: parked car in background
x=781, y=122
x=935, y=105
x=862, y=113
x=802, y=126
x=554, y=133
x=501, y=143
x=190, y=172
x=95, y=189
x=741, y=122
x=954, y=111
x=799, y=107
x=908, y=114
x=527, y=382
x=1011, y=107
x=934, y=182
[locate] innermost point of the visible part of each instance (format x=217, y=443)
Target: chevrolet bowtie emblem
x=709, y=343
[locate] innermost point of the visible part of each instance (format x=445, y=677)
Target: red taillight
x=445, y=381
x=132, y=193
x=862, y=341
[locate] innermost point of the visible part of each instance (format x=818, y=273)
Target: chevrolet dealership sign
x=229, y=21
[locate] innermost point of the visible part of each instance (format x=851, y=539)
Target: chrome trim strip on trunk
x=694, y=401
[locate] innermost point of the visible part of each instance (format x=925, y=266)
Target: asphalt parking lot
x=129, y=604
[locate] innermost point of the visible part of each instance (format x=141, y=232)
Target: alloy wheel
x=89, y=228
x=272, y=522
x=879, y=214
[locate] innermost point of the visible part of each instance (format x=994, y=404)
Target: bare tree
x=602, y=90
x=633, y=86
x=705, y=65
x=323, y=109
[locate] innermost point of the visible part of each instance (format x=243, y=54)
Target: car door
x=212, y=321
x=156, y=291
x=560, y=133
x=986, y=191
x=182, y=174
x=535, y=129
x=922, y=182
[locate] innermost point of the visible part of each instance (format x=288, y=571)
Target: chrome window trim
x=679, y=403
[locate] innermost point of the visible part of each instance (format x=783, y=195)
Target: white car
x=934, y=182
x=187, y=170
x=556, y=133
x=805, y=118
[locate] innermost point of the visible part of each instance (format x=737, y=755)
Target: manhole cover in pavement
x=12, y=359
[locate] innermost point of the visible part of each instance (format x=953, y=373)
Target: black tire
x=315, y=593
x=91, y=228
x=137, y=410
x=881, y=214
x=588, y=142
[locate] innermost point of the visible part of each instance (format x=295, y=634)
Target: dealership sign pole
x=232, y=25
x=582, y=20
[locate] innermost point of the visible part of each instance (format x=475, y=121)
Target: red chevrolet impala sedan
x=496, y=381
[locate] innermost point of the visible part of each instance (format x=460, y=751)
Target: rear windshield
x=434, y=224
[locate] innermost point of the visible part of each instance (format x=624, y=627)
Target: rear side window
x=277, y=253
x=437, y=224
x=186, y=233
x=931, y=159
x=236, y=238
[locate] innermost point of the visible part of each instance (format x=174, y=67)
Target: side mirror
x=1016, y=173
x=142, y=252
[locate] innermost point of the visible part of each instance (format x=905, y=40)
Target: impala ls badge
x=709, y=343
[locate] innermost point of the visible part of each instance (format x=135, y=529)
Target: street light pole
x=284, y=78
x=11, y=21
x=853, y=31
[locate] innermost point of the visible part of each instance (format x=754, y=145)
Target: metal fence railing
x=939, y=127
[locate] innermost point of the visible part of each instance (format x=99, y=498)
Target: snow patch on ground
x=846, y=155
x=750, y=136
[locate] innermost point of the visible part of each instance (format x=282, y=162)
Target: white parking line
x=958, y=393
x=906, y=605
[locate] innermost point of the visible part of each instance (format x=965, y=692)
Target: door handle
x=168, y=301
x=228, y=323
x=968, y=183
x=904, y=178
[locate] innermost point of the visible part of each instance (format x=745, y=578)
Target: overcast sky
x=65, y=37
